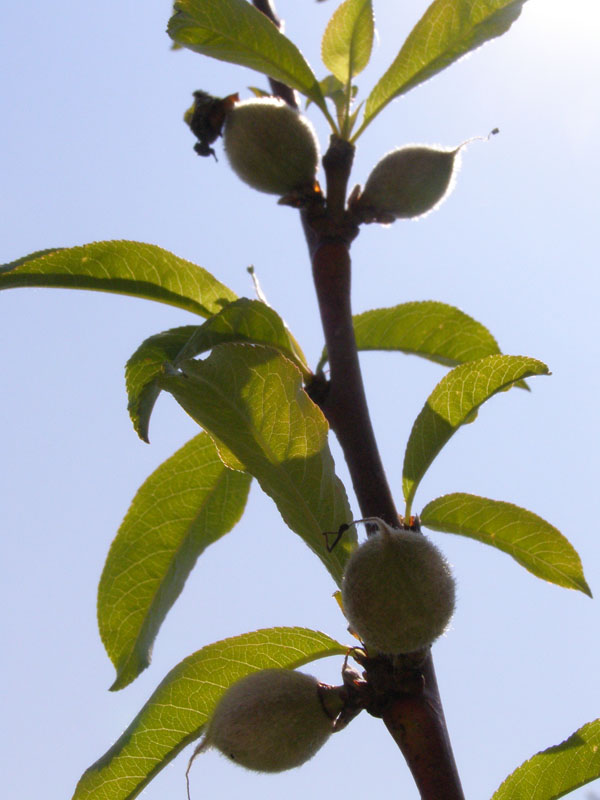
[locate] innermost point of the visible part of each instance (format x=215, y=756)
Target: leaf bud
x=270, y=721
x=397, y=591
x=271, y=146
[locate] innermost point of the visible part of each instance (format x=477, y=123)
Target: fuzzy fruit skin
x=271, y=146
x=398, y=592
x=408, y=183
x=270, y=721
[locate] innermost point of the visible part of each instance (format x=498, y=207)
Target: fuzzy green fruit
x=271, y=146
x=397, y=591
x=270, y=721
x=408, y=182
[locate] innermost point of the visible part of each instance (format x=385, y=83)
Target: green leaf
x=241, y=321
x=436, y=331
x=143, y=369
x=333, y=88
x=249, y=321
x=335, y=91
x=235, y=31
x=141, y=270
x=341, y=96
x=176, y=713
x=448, y=30
x=530, y=540
x=555, y=772
x=31, y=256
x=188, y=503
x=453, y=402
x=251, y=401
x=348, y=39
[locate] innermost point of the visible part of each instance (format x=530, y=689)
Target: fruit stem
x=411, y=709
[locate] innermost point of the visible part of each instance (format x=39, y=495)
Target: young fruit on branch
x=409, y=182
x=397, y=591
x=271, y=146
x=270, y=721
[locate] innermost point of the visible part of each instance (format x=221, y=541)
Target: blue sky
x=93, y=147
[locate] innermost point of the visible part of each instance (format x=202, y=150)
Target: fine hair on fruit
x=398, y=592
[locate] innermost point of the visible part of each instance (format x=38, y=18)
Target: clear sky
x=93, y=147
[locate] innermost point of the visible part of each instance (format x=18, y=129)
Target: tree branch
x=405, y=690
x=417, y=723
x=279, y=89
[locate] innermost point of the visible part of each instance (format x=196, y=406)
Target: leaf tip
x=127, y=673
x=142, y=432
x=121, y=680
x=140, y=425
x=116, y=685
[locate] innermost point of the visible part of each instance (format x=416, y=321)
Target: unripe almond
x=397, y=591
x=408, y=182
x=270, y=721
x=271, y=146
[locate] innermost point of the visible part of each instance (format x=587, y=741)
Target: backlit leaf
x=176, y=713
x=432, y=330
x=530, y=540
x=453, y=402
x=143, y=369
x=448, y=30
x=250, y=399
x=241, y=321
x=235, y=31
x=557, y=771
x=141, y=270
x=348, y=39
x=188, y=503
x=250, y=321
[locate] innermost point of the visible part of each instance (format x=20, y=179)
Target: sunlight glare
x=572, y=22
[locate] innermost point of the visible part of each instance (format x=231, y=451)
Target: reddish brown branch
x=416, y=721
x=279, y=89
x=346, y=405
x=405, y=691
